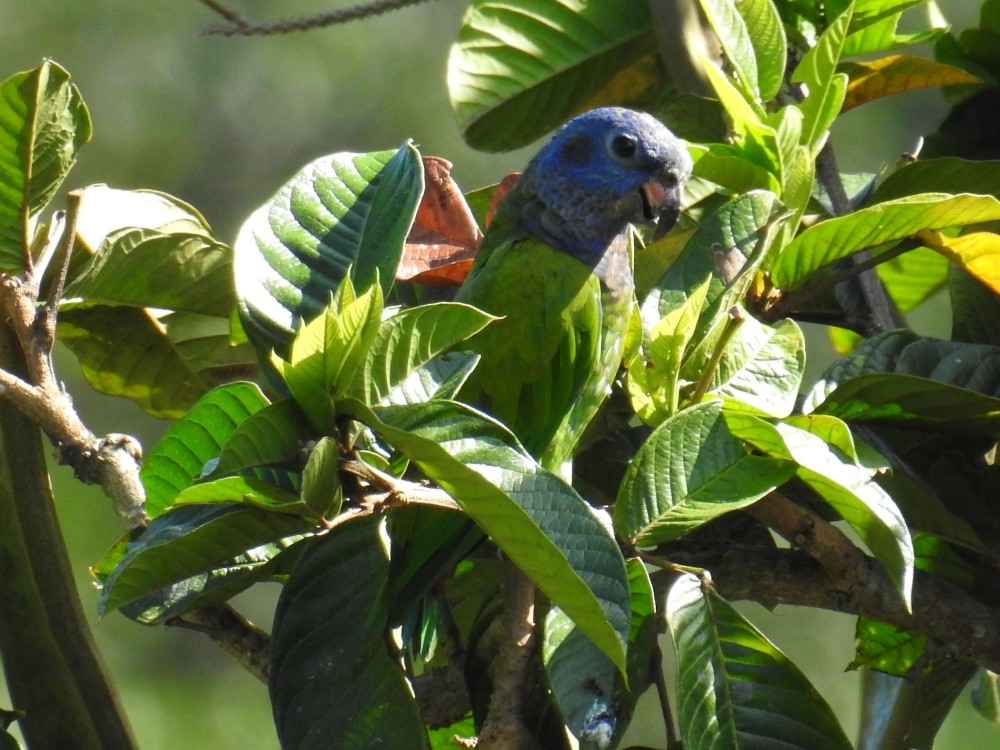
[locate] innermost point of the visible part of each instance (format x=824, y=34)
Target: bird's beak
x=662, y=203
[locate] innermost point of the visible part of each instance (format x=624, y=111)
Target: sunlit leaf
x=978, y=253
x=194, y=439
x=689, y=471
x=825, y=86
x=518, y=69
x=897, y=74
x=408, y=340
x=43, y=124
x=822, y=244
x=340, y=211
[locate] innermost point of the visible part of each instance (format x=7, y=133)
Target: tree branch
x=964, y=626
x=239, y=25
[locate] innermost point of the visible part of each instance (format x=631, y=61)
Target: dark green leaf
x=277, y=433
x=185, y=545
x=737, y=690
x=321, y=490
x=43, y=124
x=332, y=680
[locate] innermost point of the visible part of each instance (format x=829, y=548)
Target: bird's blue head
x=601, y=171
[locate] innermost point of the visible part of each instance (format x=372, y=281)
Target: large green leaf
x=340, y=211
x=195, y=439
x=736, y=690
x=147, y=268
x=823, y=244
x=43, y=123
x=332, y=680
x=689, y=471
x=179, y=550
x=538, y=520
x=520, y=68
x=904, y=378
x=148, y=315
x=163, y=362
x=408, y=340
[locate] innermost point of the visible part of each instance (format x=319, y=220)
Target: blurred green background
x=222, y=123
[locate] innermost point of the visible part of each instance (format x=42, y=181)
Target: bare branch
x=961, y=624
x=237, y=636
x=240, y=25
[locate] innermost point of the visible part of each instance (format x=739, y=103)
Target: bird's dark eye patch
x=623, y=145
x=577, y=149
x=670, y=180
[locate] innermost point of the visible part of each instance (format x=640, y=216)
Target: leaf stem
x=733, y=322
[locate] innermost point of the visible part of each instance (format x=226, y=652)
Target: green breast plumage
x=547, y=366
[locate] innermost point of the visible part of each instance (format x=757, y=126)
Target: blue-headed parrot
x=555, y=263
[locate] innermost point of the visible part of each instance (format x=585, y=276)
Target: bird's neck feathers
x=574, y=222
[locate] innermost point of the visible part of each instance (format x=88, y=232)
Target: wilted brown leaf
x=444, y=237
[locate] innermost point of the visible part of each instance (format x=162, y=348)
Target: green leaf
x=328, y=351
x=690, y=470
x=767, y=36
x=130, y=352
x=761, y=368
x=407, y=341
x=737, y=689
x=195, y=439
x=321, y=489
x=147, y=268
x=821, y=245
x=274, y=434
x=149, y=315
x=944, y=175
x=902, y=378
x=828, y=463
x=538, y=520
x=105, y=210
x=825, y=86
x=737, y=44
x=652, y=383
x=180, y=549
x=43, y=124
x=332, y=680
x=735, y=227
x=519, y=69
x=341, y=211
x=250, y=491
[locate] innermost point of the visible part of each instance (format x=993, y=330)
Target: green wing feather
x=547, y=365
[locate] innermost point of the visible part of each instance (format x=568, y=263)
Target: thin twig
x=240, y=25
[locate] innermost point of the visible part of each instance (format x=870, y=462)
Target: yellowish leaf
x=895, y=74
x=978, y=253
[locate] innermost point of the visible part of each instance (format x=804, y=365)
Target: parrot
x=555, y=263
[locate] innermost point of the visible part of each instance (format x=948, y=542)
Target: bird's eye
x=623, y=145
